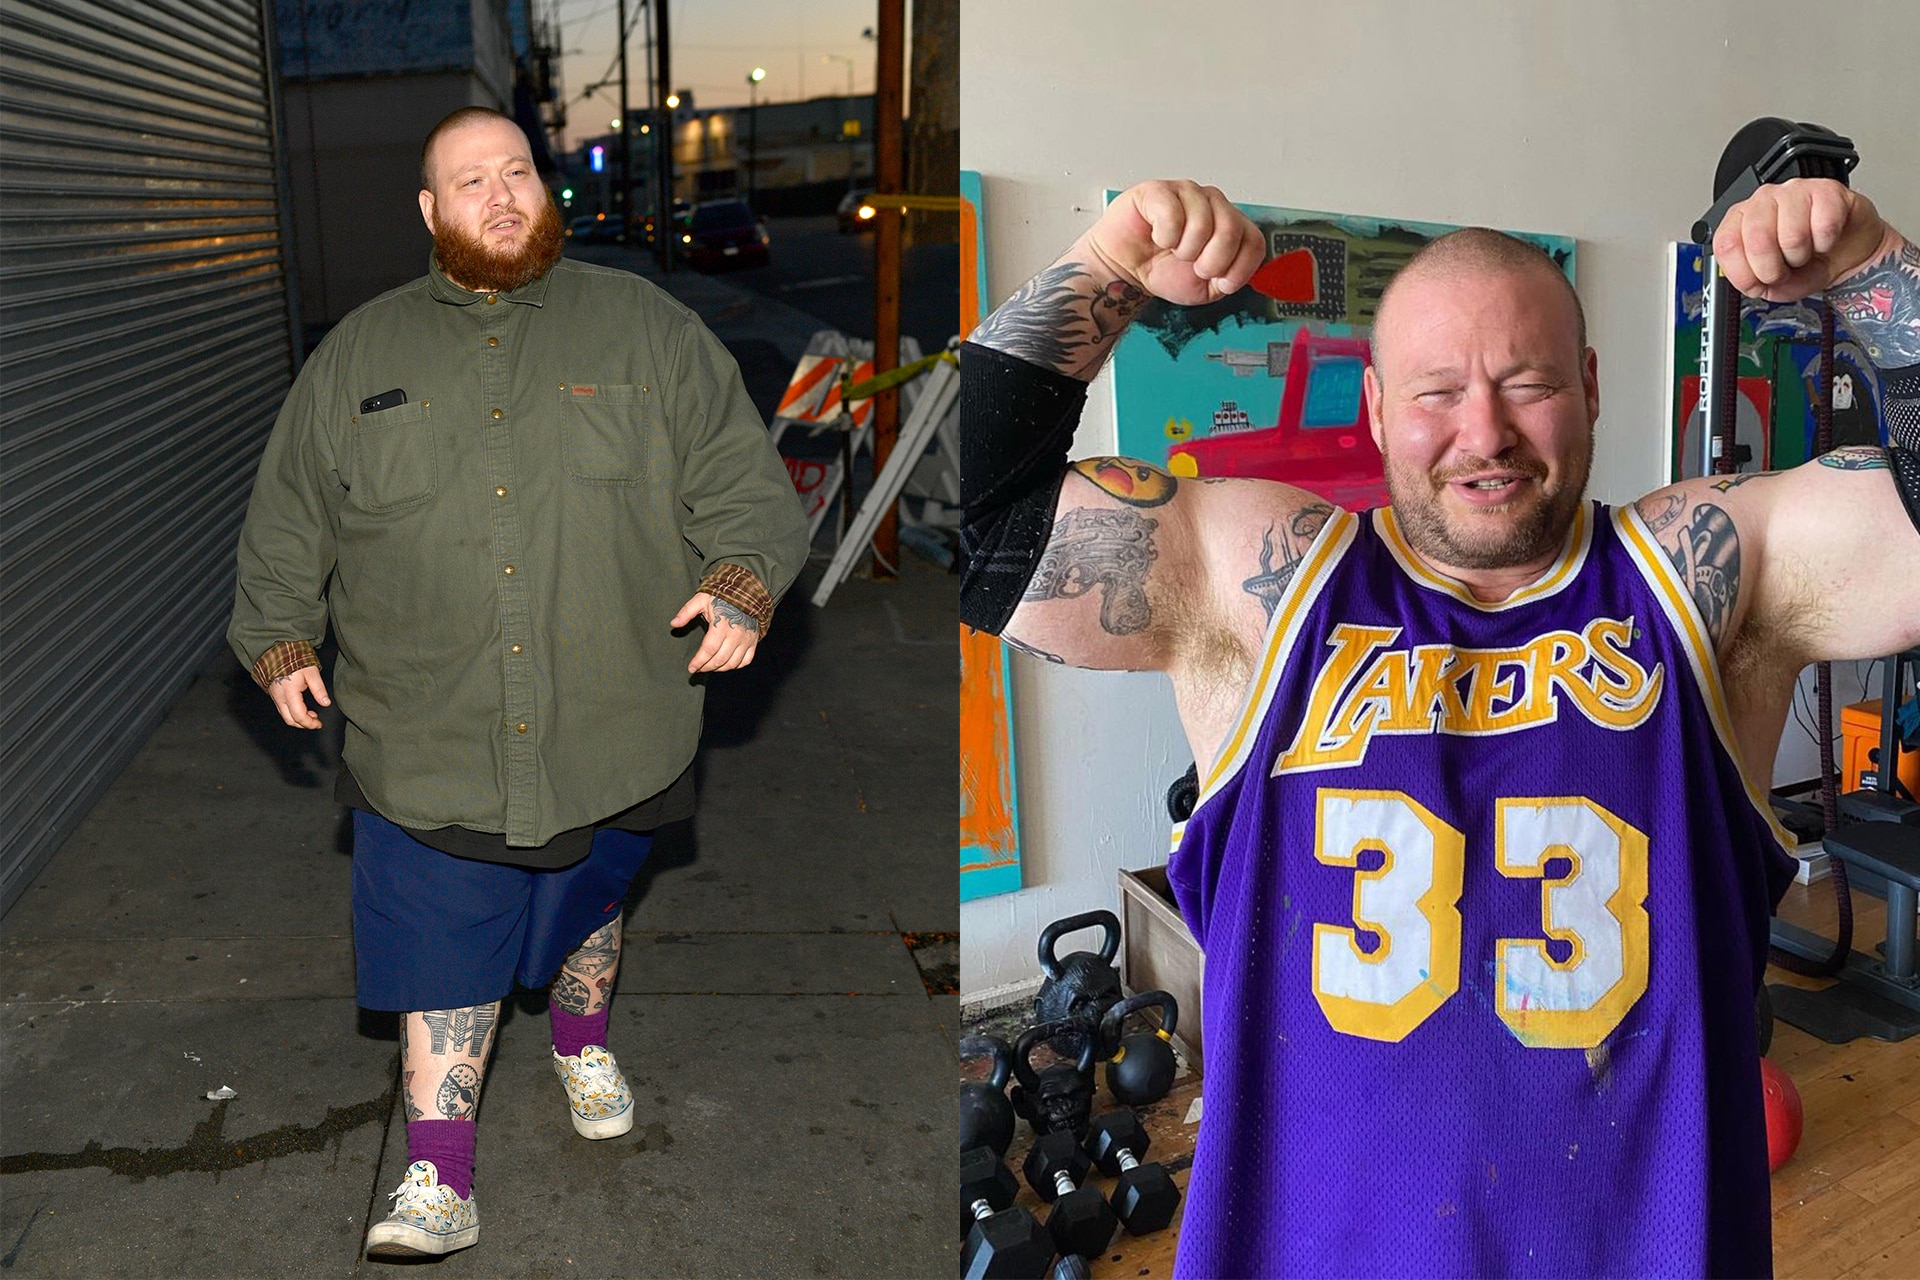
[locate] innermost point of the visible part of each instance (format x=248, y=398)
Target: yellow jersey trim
x=1684, y=616
x=1563, y=571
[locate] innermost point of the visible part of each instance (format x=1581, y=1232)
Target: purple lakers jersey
x=1483, y=895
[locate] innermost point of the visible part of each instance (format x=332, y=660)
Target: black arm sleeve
x=1016, y=425
x=1901, y=389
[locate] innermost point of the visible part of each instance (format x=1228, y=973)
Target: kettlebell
x=1140, y=1067
x=1061, y=1097
x=986, y=1117
x=1078, y=990
x=1183, y=797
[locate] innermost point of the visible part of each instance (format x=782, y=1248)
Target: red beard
x=470, y=262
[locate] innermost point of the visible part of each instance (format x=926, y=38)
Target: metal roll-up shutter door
x=144, y=350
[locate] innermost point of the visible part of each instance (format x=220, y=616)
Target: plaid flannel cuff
x=283, y=659
x=740, y=588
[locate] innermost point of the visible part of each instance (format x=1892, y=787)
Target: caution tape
x=851, y=391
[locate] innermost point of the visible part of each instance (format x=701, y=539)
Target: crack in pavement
x=208, y=1150
x=13, y=1254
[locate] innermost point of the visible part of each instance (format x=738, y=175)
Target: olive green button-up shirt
x=500, y=555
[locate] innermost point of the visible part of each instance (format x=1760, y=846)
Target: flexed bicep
x=1104, y=590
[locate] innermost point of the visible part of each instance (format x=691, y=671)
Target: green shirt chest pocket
x=393, y=458
x=608, y=432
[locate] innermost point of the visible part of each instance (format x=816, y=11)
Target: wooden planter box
x=1158, y=952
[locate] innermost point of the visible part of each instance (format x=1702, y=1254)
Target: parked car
x=597, y=228
x=722, y=233
x=855, y=213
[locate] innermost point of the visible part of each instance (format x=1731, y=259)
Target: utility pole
x=664, y=103
x=889, y=59
x=653, y=127
x=623, y=179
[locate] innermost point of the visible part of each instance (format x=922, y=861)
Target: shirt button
x=493, y=342
x=516, y=648
x=500, y=491
x=498, y=414
x=521, y=727
x=509, y=569
x=491, y=299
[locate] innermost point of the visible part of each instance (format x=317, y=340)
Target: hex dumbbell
x=1003, y=1241
x=1081, y=1221
x=1144, y=1198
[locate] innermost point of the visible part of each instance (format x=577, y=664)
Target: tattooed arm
x=1145, y=571
x=1813, y=564
x=1820, y=562
x=1174, y=240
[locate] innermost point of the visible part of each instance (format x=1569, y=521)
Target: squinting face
x=1483, y=406
x=484, y=184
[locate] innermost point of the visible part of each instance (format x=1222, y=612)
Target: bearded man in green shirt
x=533, y=500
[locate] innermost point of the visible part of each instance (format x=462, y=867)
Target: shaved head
x=456, y=120
x=1476, y=253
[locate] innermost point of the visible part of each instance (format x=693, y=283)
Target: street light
x=673, y=102
x=754, y=78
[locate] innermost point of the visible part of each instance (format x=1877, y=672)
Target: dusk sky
x=716, y=43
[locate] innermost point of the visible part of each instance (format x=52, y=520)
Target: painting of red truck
x=1320, y=440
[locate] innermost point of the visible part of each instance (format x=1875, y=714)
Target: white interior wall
x=1601, y=121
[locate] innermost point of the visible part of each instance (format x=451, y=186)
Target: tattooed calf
x=459, y=1093
x=1109, y=550
x=462, y=1027
x=406, y=1094
x=569, y=993
x=600, y=952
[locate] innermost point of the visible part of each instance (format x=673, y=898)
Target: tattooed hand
x=732, y=633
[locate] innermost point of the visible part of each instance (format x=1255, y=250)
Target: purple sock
x=573, y=1032
x=449, y=1144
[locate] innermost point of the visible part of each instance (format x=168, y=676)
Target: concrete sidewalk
x=784, y=1007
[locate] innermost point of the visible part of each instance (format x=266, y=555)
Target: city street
x=819, y=271
x=191, y=1091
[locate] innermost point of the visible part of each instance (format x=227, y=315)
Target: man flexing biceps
x=1479, y=768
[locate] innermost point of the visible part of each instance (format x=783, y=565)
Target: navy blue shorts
x=432, y=931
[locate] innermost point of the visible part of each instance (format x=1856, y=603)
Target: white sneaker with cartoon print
x=601, y=1103
x=427, y=1218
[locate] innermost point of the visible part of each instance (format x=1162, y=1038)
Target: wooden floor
x=1847, y=1204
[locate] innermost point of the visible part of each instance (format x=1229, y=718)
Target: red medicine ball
x=1784, y=1117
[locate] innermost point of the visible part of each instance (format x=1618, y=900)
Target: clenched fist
x=1794, y=238
x=1179, y=241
